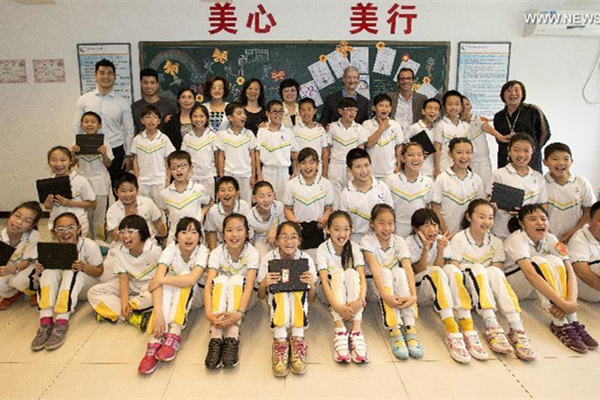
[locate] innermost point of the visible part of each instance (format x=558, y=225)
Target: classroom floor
x=99, y=361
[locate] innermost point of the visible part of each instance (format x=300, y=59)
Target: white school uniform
x=216, y=215
x=23, y=281
x=434, y=136
x=145, y=209
x=481, y=163
x=533, y=185
x=383, y=152
x=202, y=149
x=342, y=141
x=105, y=298
x=261, y=227
x=446, y=130
x=60, y=290
x=185, y=204
x=289, y=310
x=275, y=150
x=237, y=149
x=308, y=201
x=81, y=191
x=359, y=205
x=344, y=283
x=316, y=138
x=408, y=197
x=566, y=202
x=454, y=195
x=584, y=247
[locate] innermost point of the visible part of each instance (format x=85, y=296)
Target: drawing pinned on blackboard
x=363, y=86
x=338, y=63
x=310, y=89
x=254, y=56
x=344, y=48
x=384, y=61
x=171, y=68
x=427, y=89
x=220, y=56
x=278, y=75
x=359, y=58
x=408, y=63
x=321, y=74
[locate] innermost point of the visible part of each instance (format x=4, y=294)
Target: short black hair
x=509, y=85
x=347, y=102
x=286, y=83
x=231, y=107
x=227, y=179
x=136, y=222
x=126, y=177
x=150, y=109
x=307, y=100
x=92, y=114
x=431, y=100
x=211, y=81
x=554, y=147
x=105, y=63
x=451, y=93
x=381, y=97
x=307, y=152
x=594, y=209
x=273, y=103
x=356, y=154
x=423, y=216
x=148, y=72
x=261, y=184
x=404, y=69
x=179, y=155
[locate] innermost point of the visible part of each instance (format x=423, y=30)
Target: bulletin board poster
x=482, y=70
x=88, y=54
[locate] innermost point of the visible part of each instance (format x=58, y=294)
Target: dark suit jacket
x=417, y=104
x=330, y=109
x=173, y=130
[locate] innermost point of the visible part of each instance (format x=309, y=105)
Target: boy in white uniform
x=431, y=112
x=310, y=134
x=362, y=193
x=344, y=135
x=584, y=252
x=385, y=138
x=276, y=149
x=94, y=168
x=183, y=197
x=235, y=151
x=150, y=150
x=448, y=128
x=264, y=217
x=569, y=196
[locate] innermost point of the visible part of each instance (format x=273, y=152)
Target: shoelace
x=152, y=350
x=474, y=339
x=580, y=329
x=299, y=348
x=171, y=342
x=280, y=351
x=522, y=339
x=457, y=343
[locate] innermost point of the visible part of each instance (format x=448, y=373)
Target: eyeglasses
x=278, y=112
x=128, y=231
x=65, y=229
x=350, y=109
x=285, y=238
x=180, y=166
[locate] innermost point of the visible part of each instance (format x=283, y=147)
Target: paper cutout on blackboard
x=321, y=74
x=428, y=90
x=310, y=89
x=384, y=61
x=412, y=64
x=338, y=63
x=359, y=58
x=254, y=56
x=363, y=86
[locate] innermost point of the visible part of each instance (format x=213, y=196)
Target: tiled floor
x=99, y=361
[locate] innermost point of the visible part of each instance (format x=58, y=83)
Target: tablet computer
x=290, y=271
x=507, y=197
x=57, y=255
x=6, y=252
x=88, y=144
x=312, y=235
x=423, y=139
x=60, y=185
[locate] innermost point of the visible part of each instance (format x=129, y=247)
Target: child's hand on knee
x=344, y=310
x=159, y=326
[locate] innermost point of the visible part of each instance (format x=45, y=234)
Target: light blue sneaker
x=399, y=346
x=415, y=350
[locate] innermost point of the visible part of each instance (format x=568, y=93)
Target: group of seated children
x=380, y=224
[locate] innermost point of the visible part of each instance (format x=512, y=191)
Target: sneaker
x=415, y=350
x=358, y=348
x=149, y=362
x=169, y=348
x=57, y=337
x=474, y=346
x=457, y=348
x=497, y=340
x=230, y=354
x=522, y=345
x=41, y=337
x=280, y=358
x=298, y=353
x=33, y=302
x=8, y=301
x=589, y=341
x=569, y=337
x=215, y=350
x=140, y=320
x=341, y=353
x=399, y=346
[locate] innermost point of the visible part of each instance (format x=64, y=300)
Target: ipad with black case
x=312, y=235
x=506, y=197
x=6, y=252
x=423, y=139
x=290, y=271
x=88, y=144
x=60, y=185
x=57, y=255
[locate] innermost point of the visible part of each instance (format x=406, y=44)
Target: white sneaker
x=456, y=348
x=341, y=353
x=359, y=347
x=475, y=346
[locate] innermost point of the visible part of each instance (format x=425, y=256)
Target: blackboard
x=189, y=64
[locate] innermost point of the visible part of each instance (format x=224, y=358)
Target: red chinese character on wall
x=222, y=18
x=364, y=18
x=394, y=15
x=254, y=18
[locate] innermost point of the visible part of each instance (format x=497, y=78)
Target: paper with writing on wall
x=13, y=71
x=49, y=70
x=407, y=64
x=359, y=58
x=321, y=74
x=428, y=90
x=338, y=63
x=310, y=89
x=384, y=61
x=364, y=86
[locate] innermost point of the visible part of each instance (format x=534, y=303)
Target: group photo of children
x=217, y=206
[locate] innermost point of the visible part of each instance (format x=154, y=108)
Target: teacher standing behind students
x=406, y=104
x=518, y=116
x=330, y=108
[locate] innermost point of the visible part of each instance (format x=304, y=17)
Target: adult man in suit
x=406, y=104
x=330, y=107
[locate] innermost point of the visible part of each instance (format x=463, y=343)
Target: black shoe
x=231, y=347
x=215, y=350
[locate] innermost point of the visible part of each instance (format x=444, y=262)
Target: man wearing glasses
x=330, y=108
x=406, y=104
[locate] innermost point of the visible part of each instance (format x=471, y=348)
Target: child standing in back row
x=448, y=128
x=431, y=113
x=308, y=133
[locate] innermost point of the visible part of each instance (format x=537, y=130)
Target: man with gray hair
x=330, y=107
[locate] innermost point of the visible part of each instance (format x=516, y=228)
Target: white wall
x=34, y=117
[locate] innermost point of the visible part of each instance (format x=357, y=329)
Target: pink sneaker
x=456, y=348
x=148, y=363
x=169, y=348
x=341, y=353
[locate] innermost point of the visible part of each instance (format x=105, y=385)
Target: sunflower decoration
x=199, y=98
x=426, y=79
x=278, y=75
x=405, y=57
x=344, y=48
x=322, y=58
x=379, y=45
x=240, y=80
x=171, y=68
x=220, y=56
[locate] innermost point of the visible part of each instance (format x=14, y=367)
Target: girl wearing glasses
x=60, y=290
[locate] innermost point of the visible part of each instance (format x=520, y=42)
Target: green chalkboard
x=316, y=66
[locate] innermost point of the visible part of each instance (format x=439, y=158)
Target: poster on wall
x=482, y=70
x=49, y=71
x=13, y=71
x=88, y=54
